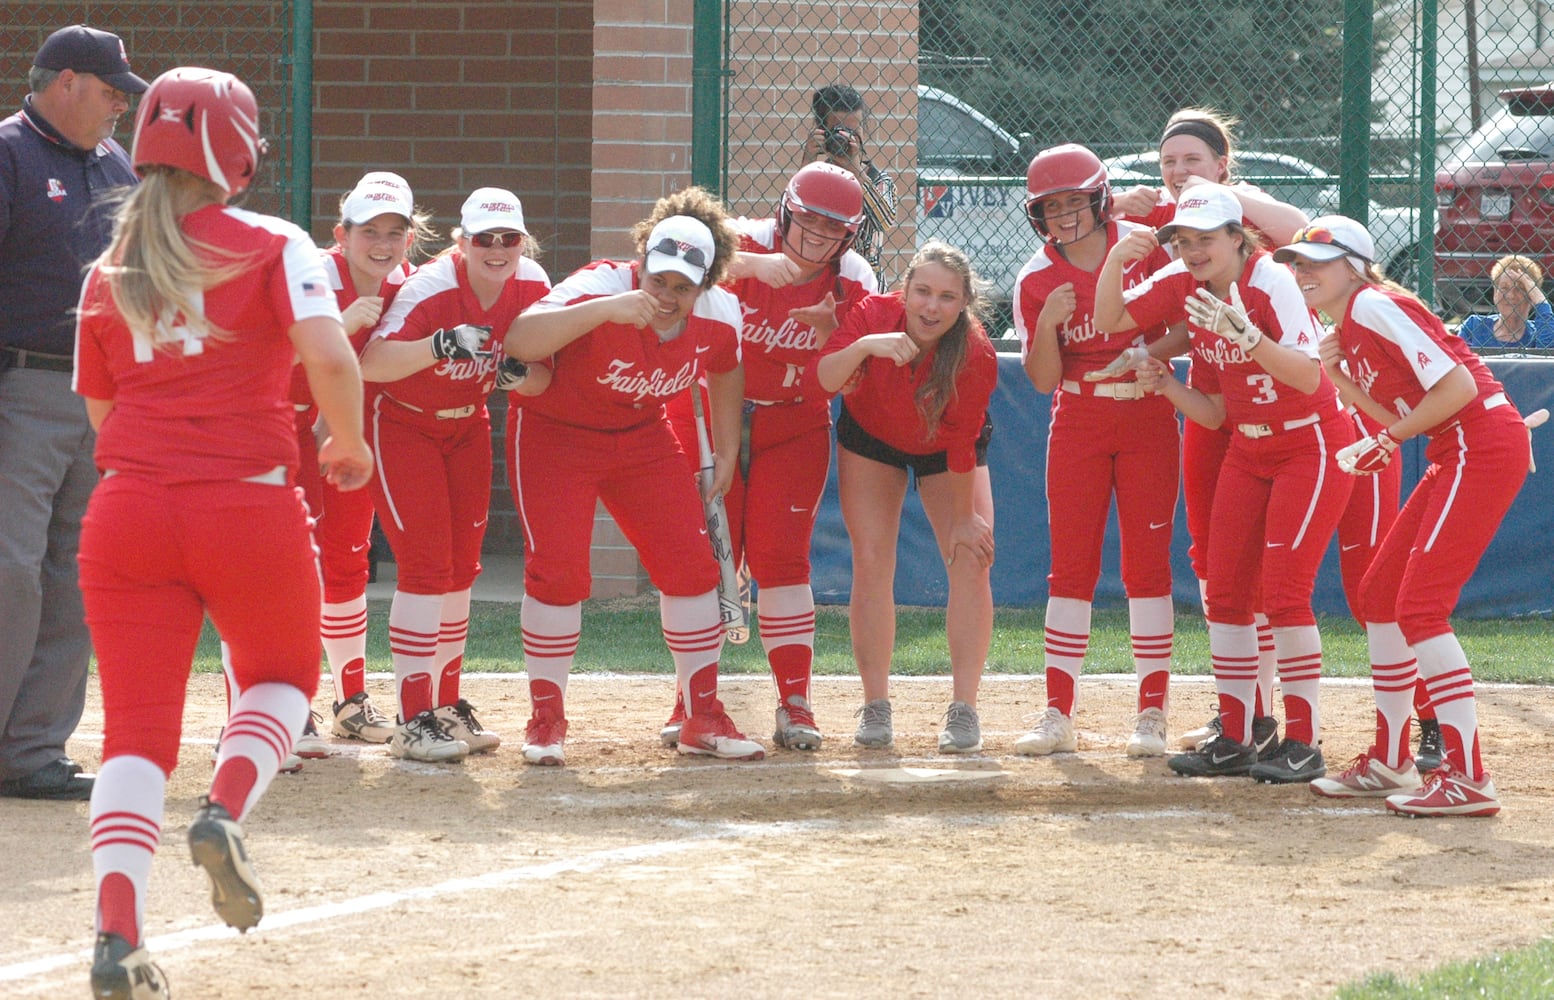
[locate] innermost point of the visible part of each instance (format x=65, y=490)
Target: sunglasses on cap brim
x=508, y=240
x=1323, y=236
x=691, y=255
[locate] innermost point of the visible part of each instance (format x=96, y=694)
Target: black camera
x=839, y=141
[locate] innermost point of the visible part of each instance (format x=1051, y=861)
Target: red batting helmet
x=203, y=121
x=1069, y=167
x=826, y=190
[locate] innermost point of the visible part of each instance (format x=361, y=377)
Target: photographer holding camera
x=838, y=137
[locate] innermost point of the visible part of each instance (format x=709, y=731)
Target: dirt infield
x=637, y=872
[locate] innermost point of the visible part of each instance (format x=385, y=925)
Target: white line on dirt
x=581, y=864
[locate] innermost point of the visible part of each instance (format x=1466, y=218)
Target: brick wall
x=585, y=113
x=779, y=53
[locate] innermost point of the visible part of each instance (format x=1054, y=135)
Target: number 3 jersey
x=1275, y=306
x=208, y=403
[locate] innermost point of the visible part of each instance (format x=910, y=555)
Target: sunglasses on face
x=484, y=240
x=1321, y=234
x=669, y=248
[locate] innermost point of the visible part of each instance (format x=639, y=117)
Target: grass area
x=623, y=637
x=1525, y=974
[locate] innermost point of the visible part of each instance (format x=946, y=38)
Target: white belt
x=275, y=477
x=302, y=407
x=1268, y=430
x=1110, y=390
x=1498, y=399
x=451, y=414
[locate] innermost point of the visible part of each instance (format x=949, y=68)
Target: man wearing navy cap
x=58, y=160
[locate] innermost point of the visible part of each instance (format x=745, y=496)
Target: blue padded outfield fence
x=1513, y=579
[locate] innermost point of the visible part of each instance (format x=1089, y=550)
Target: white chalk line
x=588, y=863
x=594, y=861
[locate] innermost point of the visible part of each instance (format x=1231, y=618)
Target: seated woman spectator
x=1523, y=317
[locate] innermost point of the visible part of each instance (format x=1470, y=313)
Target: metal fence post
x=706, y=95
x=301, y=181
x=1354, y=143
x=1425, y=192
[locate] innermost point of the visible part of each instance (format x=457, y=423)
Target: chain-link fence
x=250, y=38
x=963, y=92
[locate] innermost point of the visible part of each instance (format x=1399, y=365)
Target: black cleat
x=1432, y=751
x=216, y=845
x=1293, y=761
x=1219, y=758
x=120, y=972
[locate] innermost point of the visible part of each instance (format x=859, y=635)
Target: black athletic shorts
x=850, y=435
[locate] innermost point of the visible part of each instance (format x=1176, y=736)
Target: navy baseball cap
x=87, y=50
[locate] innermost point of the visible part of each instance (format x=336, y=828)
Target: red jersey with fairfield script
x=617, y=376
x=1084, y=348
x=339, y=271
x=880, y=395
x=207, y=407
x=776, y=347
x=1397, y=350
x=1274, y=304
x=438, y=296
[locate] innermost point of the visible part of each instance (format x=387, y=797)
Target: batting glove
x=1367, y=456
x=510, y=374
x=460, y=343
x=1228, y=319
x=1133, y=357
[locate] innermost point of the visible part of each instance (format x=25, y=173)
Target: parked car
x=971, y=192
x=1494, y=195
x=1315, y=192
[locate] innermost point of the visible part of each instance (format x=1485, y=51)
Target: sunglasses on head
x=1323, y=235
x=669, y=248
x=508, y=240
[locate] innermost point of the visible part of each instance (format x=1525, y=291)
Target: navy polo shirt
x=53, y=223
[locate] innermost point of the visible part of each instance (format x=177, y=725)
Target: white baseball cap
x=683, y=245
x=1203, y=207
x=491, y=208
x=375, y=194
x=1329, y=237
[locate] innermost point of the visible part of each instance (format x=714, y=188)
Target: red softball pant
x=1372, y=508
x=1203, y=452
x=432, y=490
x=1476, y=468
x=1099, y=447
x=772, y=515
x=155, y=560
x=342, y=522
x=1278, y=502
x=561, y=474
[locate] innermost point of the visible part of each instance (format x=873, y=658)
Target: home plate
x=915, y=775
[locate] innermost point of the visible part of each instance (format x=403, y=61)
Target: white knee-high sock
x=344, y=632
x=264, y=724
x=1153, y=628
x=1449, y=681
x=1299, y=648
x=126, y=820
x=694, y=633
x=452, y=634
x=550, y=636
x=414, y=623
x=787, y=620
x=1394, y=674
x=1067, y=634
x=1267, y=662
x=1234, y=652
